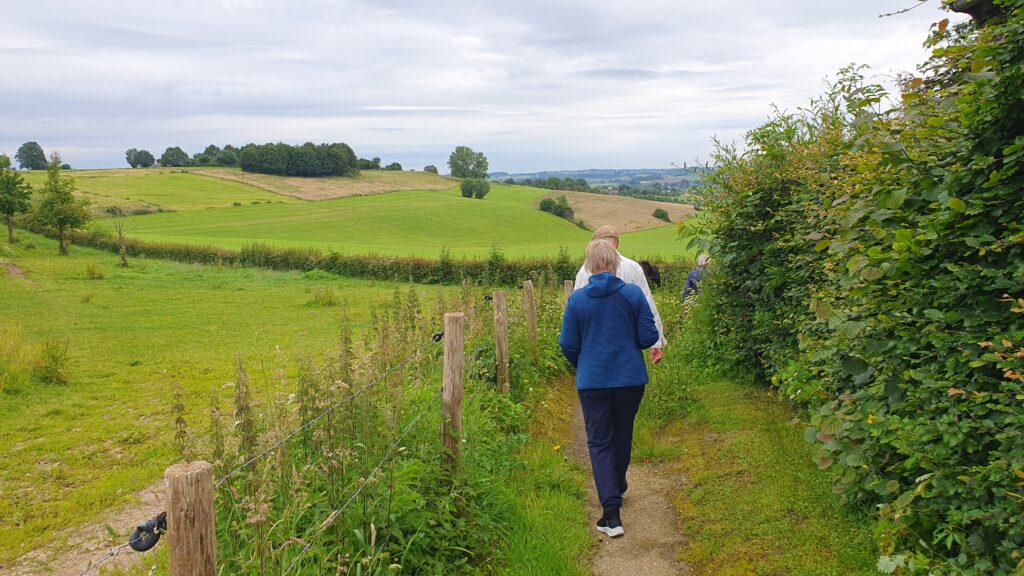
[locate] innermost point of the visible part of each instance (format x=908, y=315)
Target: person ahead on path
x=630, y=272
x=695, y=275
x=605, y=329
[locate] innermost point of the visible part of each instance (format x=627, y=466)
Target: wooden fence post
x=531, y=316
x=501, y=338
x=451, y=389
x=191, y=528
x=568, y=286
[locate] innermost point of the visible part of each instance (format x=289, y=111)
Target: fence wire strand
x=110, y=555
x=320, y=416
x=117, y=550
x=334, y=514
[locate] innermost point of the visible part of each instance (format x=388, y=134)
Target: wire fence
x=334, y=515
x=140, y=535
x=149, y=532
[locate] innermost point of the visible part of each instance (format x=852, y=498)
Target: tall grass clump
x=358, y=488
x=16, y=358
x=869, y=265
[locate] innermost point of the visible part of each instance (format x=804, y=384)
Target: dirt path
x=16, y=272
x=654, y=535
x=76, y=548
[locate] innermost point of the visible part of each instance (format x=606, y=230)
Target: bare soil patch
x=77, y=548
x=16, y=272
x=653, y=540
x=628, y=214
x=325, y=188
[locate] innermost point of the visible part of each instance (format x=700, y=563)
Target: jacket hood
x=603, y=284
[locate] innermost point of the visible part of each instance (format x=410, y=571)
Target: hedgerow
x=871, y=265
x=445, y=269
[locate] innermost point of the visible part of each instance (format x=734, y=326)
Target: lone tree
x=30, y=156
x=14, y=195
x=58, y=207
x=174, y=157
x=464, y=163
x=475, y=188
x=430, y=168
x=139, y=158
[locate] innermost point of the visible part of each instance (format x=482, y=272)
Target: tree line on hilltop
x=309, y=159
x=553, y=183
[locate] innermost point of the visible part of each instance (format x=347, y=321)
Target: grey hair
x=703, y=259
x=601, y=257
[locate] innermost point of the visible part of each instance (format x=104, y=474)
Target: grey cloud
x=536, y=85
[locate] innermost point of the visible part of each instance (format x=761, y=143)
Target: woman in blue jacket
x=606, y=327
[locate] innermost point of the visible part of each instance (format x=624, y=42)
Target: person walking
x=605, y=328
x=630, y=272
x=694, y=277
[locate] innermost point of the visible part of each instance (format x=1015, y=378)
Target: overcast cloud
x=535, y=85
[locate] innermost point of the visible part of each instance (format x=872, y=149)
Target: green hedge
x=871, y=265
x=445, y=269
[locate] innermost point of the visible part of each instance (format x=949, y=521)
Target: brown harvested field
x=628, y=214
x=368, y=182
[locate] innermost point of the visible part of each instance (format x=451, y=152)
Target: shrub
x=661, y=214
x=475, y=188
x=869, y=264
x=558, y=207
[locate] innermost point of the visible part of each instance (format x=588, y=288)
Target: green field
x=160, y=188
x=227, y=208
x=72, y=451
x=411, y=223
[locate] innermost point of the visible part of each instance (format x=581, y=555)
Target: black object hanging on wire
x=147, y=534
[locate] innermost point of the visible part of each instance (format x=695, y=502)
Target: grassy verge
x=548, y=527
x=755, y=503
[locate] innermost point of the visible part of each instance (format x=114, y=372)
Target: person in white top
x=629, y=272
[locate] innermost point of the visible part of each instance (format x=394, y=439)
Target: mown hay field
x=325, y=188
x=629, y=214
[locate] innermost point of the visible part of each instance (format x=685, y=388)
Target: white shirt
x=630, y=272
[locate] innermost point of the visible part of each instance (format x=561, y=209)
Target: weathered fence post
x=531, y=316
x=451, y=390
x=568, y=286
x=501, y=338
x=191, y=530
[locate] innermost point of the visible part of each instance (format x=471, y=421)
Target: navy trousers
x=609, y=414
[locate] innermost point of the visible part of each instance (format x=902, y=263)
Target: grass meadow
x=73, y=450
x=410, y=223
x=161, y=188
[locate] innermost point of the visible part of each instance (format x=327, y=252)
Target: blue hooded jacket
x=606, y=326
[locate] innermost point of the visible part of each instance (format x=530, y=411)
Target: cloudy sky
x=535, y=85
